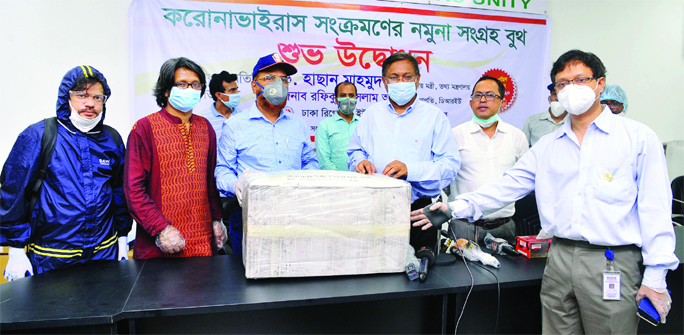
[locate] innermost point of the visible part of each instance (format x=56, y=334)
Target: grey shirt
x=538, y=125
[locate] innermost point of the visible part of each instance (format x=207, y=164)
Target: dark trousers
x=419, y=237
x=232, y=218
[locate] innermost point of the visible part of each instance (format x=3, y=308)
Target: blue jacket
x=81, y=209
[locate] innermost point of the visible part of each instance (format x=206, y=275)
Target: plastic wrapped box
x=324, y=223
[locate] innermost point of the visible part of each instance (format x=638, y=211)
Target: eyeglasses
x=407, y=79
x=195, y=86
x=83, y=96
x=487, y=96
x=269, y=78
x=612, y=103
x=560, y=85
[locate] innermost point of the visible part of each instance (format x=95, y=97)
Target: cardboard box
x=324, y=223
x=532, y=247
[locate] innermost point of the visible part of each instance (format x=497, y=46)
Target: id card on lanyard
x=611, y=278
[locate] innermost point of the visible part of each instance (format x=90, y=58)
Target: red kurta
x=169, y=179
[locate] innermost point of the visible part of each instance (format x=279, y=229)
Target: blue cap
x=610, y=254
x=272, y=60
x=550, y=87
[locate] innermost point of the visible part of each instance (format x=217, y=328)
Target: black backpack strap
x=113, y=134
x=47, y=147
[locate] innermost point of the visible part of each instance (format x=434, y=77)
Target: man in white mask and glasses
x=603, y=191
x=538, y=125
x=488, y=147
x=406, y=138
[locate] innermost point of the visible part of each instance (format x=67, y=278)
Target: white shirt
x=613, y=190
x=484, y=159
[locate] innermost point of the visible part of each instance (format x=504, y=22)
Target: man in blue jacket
x=80, y=210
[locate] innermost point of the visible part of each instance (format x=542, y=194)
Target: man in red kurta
x=169, y=171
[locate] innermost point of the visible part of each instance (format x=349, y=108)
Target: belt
x=587, y=245
x=68, y=253
x=488, y=224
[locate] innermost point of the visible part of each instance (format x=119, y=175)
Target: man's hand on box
x=365, y=167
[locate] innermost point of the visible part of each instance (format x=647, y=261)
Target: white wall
x=641, y=43
x=41, y=40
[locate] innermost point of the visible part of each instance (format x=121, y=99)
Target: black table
x=211, y=295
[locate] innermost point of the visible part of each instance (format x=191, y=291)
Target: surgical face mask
x=275, y=92
x=346, y=105
x=81, y=123
x=486, y=123
x=556, y=108
x=577, y=99
x=233, y=102
x=401, y=93
x=184, y=100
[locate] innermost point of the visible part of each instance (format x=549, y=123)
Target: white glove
x=241, y=183
x=220, y=233
x=123, y=248
x=18, y=265
x=170, y=240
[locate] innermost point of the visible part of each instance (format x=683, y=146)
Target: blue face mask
x=184, y=100
x=401, y=93
x=233, y=102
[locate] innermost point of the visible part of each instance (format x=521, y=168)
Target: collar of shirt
x=174, y=119
x=500, y=127
x=215, y=112
x=338, y=117
x=255, y=113
x=603, y=122
x=547, y=116
x=390, y=107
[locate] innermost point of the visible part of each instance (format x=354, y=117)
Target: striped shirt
x=538, y=125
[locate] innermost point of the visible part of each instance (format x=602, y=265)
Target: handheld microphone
x=427, y=258
x=499, y=245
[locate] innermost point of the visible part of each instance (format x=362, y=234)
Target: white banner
x=521, y=6
x=332, y=42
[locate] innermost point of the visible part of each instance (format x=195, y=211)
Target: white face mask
x=577, y=99
x=81, y=123
x=556, y=108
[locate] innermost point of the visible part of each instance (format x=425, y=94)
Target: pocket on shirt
x=613, y=185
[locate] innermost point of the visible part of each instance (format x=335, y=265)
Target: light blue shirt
x=250, y=141
x=216, y=119
x=613, y=190
x=420, y=137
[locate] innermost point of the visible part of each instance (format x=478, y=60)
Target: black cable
x=498, y=295
x=472, y=284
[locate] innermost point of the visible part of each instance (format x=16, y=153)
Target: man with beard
x=65, y=201
x=262, y=138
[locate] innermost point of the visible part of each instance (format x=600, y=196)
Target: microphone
x=499, y=245
x=427, y=258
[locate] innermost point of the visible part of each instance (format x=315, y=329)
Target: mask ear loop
x=262, y=89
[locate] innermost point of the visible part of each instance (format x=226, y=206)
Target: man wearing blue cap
x=77, y=210
x=262, y=138
x=538, y=125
